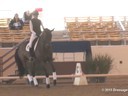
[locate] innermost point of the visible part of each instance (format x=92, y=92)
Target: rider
x=35, y=28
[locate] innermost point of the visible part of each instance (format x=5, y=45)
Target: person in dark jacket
x=27, y=17
x=16, y=23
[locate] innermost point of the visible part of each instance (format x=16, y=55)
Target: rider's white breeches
x=29, y=45
x=33, y=36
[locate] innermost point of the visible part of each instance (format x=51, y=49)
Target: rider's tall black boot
x=31, y=56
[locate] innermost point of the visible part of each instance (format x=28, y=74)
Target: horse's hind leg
x=30, y=79
x=35, y=81
x=47, y=82
x=28, y=71
x=33, y=74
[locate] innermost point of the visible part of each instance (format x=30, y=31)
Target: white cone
x=82, y=79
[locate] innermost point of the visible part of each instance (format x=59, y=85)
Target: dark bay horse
x=42, y=57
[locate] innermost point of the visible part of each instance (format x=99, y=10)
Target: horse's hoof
x=54, y=82
x=31, y=83
x=36, y=85
x=48, y=85
x=31, y=59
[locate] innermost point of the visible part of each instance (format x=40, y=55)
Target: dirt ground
x=114, y=87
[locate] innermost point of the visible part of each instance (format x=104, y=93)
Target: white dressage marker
x=82, y=79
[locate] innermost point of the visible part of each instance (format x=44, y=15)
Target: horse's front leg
x=54, y=78
x=47, y=75
x=53, y=73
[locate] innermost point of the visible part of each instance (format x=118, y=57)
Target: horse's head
x=47, y=37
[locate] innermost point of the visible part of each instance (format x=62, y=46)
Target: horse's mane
x=45, y=43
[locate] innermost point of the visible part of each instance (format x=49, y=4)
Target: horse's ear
x=52, y=29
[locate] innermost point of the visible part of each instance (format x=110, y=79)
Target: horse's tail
x=18, y=61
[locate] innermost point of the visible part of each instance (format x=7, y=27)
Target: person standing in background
x=27, y=17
